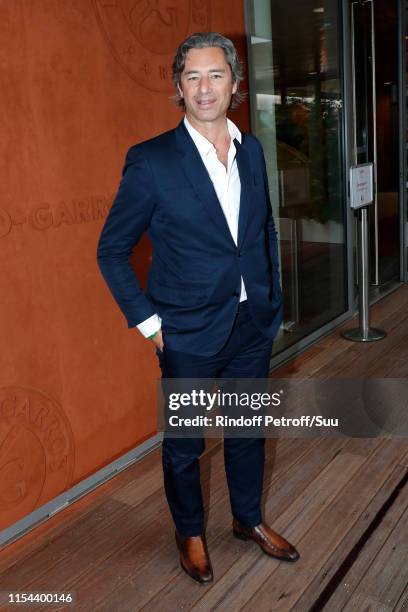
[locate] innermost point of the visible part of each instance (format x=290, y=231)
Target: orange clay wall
x=81, y=81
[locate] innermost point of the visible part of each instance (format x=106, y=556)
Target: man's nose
x=204, y=84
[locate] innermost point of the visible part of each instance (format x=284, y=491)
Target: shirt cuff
x=150, y=326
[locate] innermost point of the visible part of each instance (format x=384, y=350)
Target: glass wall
x=375, y=43
x=296, y=106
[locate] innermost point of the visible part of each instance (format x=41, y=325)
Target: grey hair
x=201, y=40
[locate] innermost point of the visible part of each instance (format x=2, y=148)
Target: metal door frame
x=402, y=107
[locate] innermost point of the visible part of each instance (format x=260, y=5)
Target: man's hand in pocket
x=158, y=340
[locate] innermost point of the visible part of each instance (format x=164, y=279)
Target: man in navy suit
x=213, y=302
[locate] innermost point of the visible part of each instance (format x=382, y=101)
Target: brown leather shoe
x=271, y=542
x=194, y=558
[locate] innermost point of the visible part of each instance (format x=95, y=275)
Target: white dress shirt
x=227, y=186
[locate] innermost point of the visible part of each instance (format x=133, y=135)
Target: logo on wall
x=144, y=34
x=36, y=452
x=58, y=214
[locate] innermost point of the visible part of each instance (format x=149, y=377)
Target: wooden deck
x=342, y=502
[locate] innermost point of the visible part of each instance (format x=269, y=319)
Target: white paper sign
x=361, y=185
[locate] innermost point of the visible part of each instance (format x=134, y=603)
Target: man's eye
x=192, y=78
x=216, y=76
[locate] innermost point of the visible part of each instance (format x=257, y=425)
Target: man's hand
x=158, y=340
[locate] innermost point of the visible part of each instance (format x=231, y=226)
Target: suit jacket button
x=236, y=294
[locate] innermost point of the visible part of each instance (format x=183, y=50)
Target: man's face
x=206, y=84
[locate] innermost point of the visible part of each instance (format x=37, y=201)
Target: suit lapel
x=245, y=178
x=199, y=178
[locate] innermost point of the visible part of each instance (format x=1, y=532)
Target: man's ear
x=180, y=90
x=234, y=87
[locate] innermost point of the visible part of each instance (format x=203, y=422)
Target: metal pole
x=363, y=285
x=364, y=333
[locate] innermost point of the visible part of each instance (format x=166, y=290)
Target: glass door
x=294, y=52
x=374, y=36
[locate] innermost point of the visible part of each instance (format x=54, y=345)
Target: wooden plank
x=350, y=578
x=304, y=367
x=299, y=363
x=356, y=362
x=358, y=353
x=371, y=604
x=386, y=306
x=378, y=362
x=400, y=369
x=386, y=313
x=387, y=576
x=50, y=529
x=142, y=587
x=402, y=605
x=333, y=524
x=404, y=457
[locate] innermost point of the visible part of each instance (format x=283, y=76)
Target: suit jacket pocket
x=177, y=296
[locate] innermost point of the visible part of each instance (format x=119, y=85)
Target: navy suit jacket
x=195, y=276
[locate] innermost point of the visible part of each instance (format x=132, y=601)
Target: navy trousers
x=246, y=354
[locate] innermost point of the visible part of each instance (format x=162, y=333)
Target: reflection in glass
x=296, y=110
x=375, y=36
x=388, y=177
